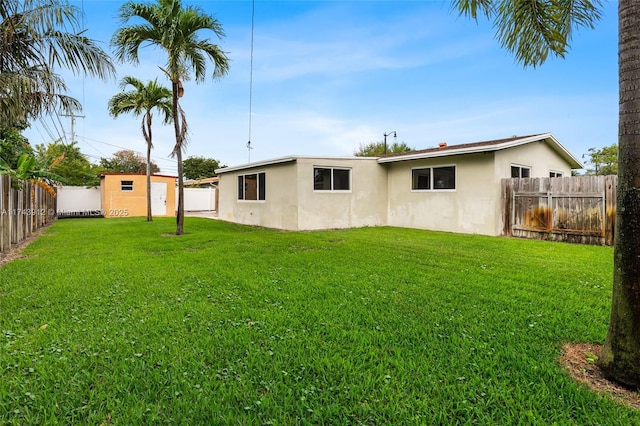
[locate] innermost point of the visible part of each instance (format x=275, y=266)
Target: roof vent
x=442, y=145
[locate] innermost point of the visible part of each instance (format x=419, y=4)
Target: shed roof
x=134, y=174
x=485, y=146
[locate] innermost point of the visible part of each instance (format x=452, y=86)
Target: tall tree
x=13, y=145
x=201, y=167
x=142, y=100
x=531, y=29
x=127, y=161
x=36, y=38
x=604, y=160
x=377, y=149
x=176, y=29
x=68, y=162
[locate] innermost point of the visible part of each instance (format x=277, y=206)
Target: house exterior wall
x=118, y=203
x=365, y=204
x=539, y=156
x=292, y=203
x=278, y=209
x=470, y=208
x=381, y=189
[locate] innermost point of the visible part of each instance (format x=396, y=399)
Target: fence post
x=5, y=220
x=610, y=194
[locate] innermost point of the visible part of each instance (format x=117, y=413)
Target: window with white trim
x=555, y=174
x=331, y=179
x=520, y=171
x=252, y=187
x=126, y=185
x=433, y=178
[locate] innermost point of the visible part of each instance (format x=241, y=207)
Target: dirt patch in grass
x=580, y=361
x=16, y=249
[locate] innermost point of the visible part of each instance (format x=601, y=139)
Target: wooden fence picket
x=578, y=209
x=23, y=211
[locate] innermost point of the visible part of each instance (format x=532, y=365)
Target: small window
x=252, y=187
x=555, y=174
x=433, y=178
x=126, y=185
x=520, y=171
x=331, y=179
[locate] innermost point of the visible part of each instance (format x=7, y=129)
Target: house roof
x=134, y=174
x=445, y=150
x=287, y=159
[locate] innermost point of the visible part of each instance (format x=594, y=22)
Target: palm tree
x=533, y=29
x=621, y=352
x=34, y=42
x=143, y=100
x=175, y=29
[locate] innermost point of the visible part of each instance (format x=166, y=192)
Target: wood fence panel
x=23, y=211
x=5, y=219
x=579, y=209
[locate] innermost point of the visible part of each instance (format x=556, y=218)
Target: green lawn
x=116, y=321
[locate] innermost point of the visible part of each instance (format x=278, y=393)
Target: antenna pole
x=253, y=13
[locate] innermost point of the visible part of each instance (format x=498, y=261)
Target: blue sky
x=331, y=75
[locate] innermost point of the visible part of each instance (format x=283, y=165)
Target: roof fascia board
x=468, y=150
x=279, y=160
x=575, y=163
x=290, y=158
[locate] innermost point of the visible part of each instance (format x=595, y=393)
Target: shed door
x=159, y=198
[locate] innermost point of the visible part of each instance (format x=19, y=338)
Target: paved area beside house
x=207, y=214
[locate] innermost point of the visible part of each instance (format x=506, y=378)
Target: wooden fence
x=22, y=211
x=577, y=209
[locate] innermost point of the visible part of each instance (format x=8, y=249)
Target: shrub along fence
x=577, y=209
x=23, y=210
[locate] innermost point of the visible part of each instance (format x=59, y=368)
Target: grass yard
x=115, y=321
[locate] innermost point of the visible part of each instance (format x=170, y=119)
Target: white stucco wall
x=381, y=193
x=470, y=208
x=538, y=155
x=291, y=202
x=278, y=210
x=363, y=205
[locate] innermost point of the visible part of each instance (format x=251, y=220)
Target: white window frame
x=259, y=181
x=126, y=187
x=521, y=167
x=431, y=179
x=556, y=173
x=333, y=168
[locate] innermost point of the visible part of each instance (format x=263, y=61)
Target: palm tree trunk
x=177, y=150
x=149, y=145
x=180, y=213
x=621, y=353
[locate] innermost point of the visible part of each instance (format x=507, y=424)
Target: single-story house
x=450, y=188
x=124, y=194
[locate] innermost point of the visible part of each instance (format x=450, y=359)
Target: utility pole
x=73, y=124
